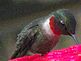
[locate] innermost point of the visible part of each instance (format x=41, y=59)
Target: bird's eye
x=62, y=22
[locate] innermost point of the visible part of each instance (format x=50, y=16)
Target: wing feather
x=25, y=40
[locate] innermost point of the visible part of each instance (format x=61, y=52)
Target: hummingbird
x=42, y=34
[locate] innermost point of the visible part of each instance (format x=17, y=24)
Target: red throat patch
x=55, y=29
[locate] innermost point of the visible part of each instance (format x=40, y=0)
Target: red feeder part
x=72, y=53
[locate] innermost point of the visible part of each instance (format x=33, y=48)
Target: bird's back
x=35, y=37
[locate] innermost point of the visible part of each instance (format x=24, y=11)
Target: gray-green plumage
x=38, y=36
x=67, y=17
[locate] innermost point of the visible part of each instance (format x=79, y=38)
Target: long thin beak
x=75, y=39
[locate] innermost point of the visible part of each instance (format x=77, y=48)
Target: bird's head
x=65, y=21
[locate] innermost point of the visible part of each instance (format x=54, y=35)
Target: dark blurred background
x=15, y=14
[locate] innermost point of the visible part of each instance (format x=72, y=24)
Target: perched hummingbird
x=41, y=35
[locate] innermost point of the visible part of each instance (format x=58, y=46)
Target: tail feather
x=24, y=47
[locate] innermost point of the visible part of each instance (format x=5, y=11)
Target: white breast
x=46, y=27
